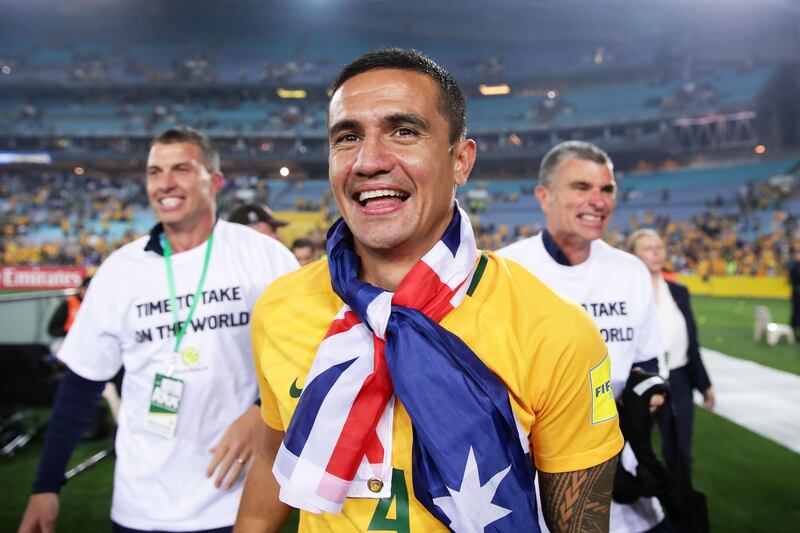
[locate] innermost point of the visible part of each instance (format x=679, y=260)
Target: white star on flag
x=470, y=509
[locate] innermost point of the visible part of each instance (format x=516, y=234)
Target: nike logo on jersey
x=295, y=392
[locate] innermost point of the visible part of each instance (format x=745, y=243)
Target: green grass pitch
x=726, y=325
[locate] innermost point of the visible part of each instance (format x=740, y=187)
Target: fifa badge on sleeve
x=604, y=407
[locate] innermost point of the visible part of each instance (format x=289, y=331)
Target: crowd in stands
x=69, y=219
x=713, y=242
x=80, y=209
x=709, y=244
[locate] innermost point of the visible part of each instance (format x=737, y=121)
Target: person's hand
x=709, y=400
x=41, y=514
x=656, y=401
x=235, y=448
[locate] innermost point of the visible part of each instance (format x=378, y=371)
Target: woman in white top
x=682, y=358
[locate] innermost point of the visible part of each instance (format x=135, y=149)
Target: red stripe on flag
x=422, y=284
x=340, y=325
x=358, y=431
x=375, y=451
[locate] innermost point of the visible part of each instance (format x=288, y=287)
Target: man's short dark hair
x=185, y=134
x=570, y=150
x=451, y=100
x=303, y=243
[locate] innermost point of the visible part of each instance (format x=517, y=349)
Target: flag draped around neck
x=471, y=462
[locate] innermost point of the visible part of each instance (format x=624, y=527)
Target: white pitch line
x=761, y=399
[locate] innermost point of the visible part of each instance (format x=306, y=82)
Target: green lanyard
x=173, y=301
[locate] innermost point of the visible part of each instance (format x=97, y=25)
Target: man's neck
x=386, y=268
x=383, y=270
x=577, y=250
x=184, y=237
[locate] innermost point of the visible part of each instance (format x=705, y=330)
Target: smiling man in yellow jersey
x=364, y=358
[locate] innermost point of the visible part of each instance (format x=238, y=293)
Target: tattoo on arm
x=578, y=501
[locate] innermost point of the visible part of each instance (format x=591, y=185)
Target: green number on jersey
x=380, y=520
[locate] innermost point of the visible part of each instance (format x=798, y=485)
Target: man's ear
x=463, y=161
x=543, y=194
x=217, y=181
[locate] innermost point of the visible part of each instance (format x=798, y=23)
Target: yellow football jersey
x=546, y=351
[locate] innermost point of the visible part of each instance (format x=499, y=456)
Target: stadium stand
x=99, y=100
x=119, y=114
x=71, y=219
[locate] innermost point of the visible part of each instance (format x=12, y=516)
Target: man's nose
x=163, y=181
x=374, y=157
x=600, y=199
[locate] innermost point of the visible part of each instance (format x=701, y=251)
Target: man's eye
x=347, y=138
x=405, y=132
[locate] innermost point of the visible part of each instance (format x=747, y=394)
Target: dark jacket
x=794, y=275
x=697, y=371
x=56, y=326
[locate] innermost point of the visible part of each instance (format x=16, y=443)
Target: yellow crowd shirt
x=546, y=351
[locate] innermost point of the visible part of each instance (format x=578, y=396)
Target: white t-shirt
x=673, y=329
x=615, y=289
x=126, y=320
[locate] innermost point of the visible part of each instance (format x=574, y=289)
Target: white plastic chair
x=773, y=331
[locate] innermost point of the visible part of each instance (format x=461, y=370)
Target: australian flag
x=472, y=467
x=471, y=462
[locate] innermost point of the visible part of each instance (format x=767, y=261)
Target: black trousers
x=680, y=386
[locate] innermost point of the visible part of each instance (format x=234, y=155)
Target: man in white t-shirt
x=577, y=192
x=172, y=308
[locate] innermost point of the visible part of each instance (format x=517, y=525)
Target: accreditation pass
x=162, y=418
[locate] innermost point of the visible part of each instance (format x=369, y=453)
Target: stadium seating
x=594, y=105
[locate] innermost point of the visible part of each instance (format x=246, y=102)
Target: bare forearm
x=580, y=500
x=260, y=509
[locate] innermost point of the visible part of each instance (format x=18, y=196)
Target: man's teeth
x=170, y=202
x=369, y=195
x=591, y=218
